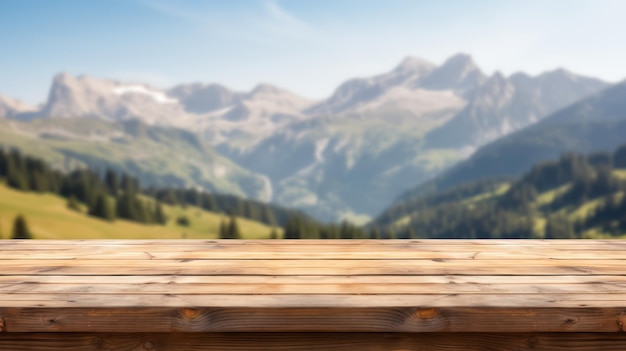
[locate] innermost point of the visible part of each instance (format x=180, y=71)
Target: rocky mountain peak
x=460, y=61
x=67, y=97
x=201, y=98
x=495, y=92
x=458, y=73
x=267, y=89
x=10, y=107
x=414, y=64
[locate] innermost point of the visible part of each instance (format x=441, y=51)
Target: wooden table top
x=312, y=285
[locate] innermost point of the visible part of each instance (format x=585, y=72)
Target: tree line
x=477, y=210
x=110, y=194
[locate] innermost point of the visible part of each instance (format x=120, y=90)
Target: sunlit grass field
x=49, y=218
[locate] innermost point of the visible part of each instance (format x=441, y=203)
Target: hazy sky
x=307, y=46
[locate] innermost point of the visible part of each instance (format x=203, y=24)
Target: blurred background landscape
x=268, y=119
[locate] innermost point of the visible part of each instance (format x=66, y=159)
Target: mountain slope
x=157, y=156
x=577, y=196
x=49, y=218
x=344, y=156
x=373, y=136
x=358, y=91
x=12, y=107
x=500, y=106
x=593, y=124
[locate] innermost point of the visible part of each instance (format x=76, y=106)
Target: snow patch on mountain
x=157, y=96
x=320, y=146
x=418, y=102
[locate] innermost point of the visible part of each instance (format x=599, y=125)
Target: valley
x=344, y=157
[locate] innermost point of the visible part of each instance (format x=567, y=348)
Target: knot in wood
x=571, y=320
x=621, y=321
x=532, y=342
x=148, y=345
x=190, y=313
x=97, y=341
x=427, y=313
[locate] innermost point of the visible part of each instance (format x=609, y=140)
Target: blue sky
x=307, y=46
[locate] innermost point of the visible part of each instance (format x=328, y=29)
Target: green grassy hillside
x=578, y=196
x=49, y=218
x=156, y=156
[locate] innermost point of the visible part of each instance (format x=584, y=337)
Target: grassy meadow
x=49, y=218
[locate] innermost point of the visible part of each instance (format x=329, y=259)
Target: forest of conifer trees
x=515, y=213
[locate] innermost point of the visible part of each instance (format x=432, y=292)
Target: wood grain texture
x=314, y=341
x=313, y=286
x=299, y=319
x=311, y=267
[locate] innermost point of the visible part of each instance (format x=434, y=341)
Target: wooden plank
x=617, y=280
x=318, y=288
x=306, y=242
x=373, y=245
x=311, y=267
x=313, y=341
x=319, y=301
x=355, y=250
x=392, y=285
x=299, y=319
x=264, y=253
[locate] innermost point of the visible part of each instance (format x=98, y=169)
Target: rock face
x=350, y=154
x=12, y=107
x=596, y=123
x=500, y=106
x=89, y=97
x=373, y=136
x=459, y=73
x=200, y=98
x=158, y=156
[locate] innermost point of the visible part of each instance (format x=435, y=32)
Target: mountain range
x=346, y=156
x=596, y=123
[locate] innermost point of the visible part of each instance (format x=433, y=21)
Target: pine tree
x=129, y=184
x=72, y=203
x=170, y=197
x=375, y=233
x=267, y=216
x=183, y=221
x=102, y=208
x=145, y=215
x=332, y=231
x=159, y=215
x=209, y=203
x=38, y=180
x=345, y=231
x=16, y=174
x=273, y=233
x=20, y=228
x=112, y=182
x=126, y=207
x=410, y=233
x=3, y=163
x=223, y=234
x=233, y=229
x=238, y=208
x=292, y=228
x=559, y=227
x=390, y=233
x=86, y=189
